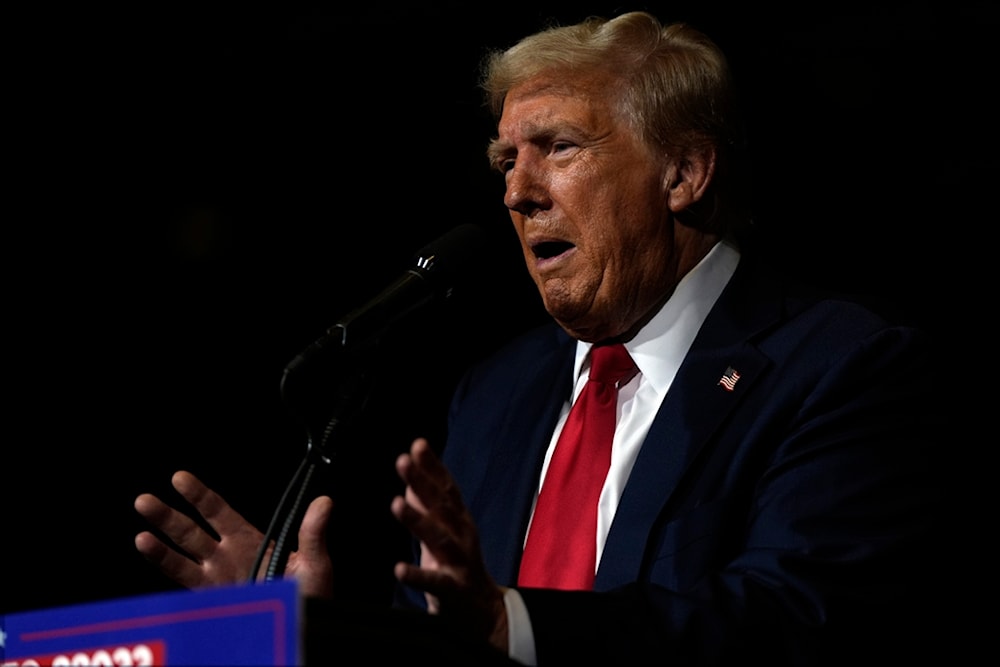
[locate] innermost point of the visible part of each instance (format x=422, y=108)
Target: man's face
x=588, y=199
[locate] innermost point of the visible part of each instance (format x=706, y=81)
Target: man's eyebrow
x=498, y=150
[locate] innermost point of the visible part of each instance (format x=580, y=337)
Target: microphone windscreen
x=460, y=253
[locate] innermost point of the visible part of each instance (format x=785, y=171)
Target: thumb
x=312, y=531
x=313, y=567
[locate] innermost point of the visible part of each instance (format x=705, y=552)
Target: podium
x=261, y=624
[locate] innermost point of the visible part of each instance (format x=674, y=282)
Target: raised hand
x=197, y=559
x=451, y=572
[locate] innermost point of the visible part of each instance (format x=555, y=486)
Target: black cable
x=279, y=556
x=276, y=517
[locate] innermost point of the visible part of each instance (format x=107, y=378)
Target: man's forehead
x=538, y=109
x=560, y=83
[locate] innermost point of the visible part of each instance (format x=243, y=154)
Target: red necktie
x=561, y=550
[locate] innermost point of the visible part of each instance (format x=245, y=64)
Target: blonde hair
x=674, y=85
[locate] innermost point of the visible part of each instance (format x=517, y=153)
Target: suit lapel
x=696, y=404
x=503, y=502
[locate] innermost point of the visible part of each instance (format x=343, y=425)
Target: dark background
x=195, y=195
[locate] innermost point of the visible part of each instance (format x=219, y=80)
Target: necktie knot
x=611, y=364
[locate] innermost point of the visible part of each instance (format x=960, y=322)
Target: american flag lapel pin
x=729, y=378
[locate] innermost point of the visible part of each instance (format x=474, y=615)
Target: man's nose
x=526, y=188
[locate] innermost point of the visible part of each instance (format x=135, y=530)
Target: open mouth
x=549, y=249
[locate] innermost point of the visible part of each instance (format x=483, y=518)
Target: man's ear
x=690, y=178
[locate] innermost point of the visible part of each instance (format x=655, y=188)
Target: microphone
x=436, y=269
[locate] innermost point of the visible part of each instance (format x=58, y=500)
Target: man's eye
x=505, y=165
x=561, y=146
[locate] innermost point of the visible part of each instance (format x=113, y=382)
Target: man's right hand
x=206, y=561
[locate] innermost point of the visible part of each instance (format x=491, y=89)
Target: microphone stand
x=337, y=413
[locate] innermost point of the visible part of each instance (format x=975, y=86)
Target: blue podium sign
x=236, y=625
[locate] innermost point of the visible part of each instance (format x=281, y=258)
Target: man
x=769, y=497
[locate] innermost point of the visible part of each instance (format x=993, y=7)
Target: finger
x=151, y=547
x=436, y=535
x=401, y=509
x=426, y=461
x=170, y=562
x=209, y=504
x=430, y=489
x=312, y=531
x=435, y=582
x=175, y=525
x=404, y=468
x=425, y=457
x=427, y=478
x=415, y=520
x=312, y=565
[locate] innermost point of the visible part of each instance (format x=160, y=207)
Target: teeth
x=551, y=249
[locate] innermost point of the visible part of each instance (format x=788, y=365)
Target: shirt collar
x=660, y=346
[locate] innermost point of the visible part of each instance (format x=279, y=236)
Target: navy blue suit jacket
x=784, y=519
